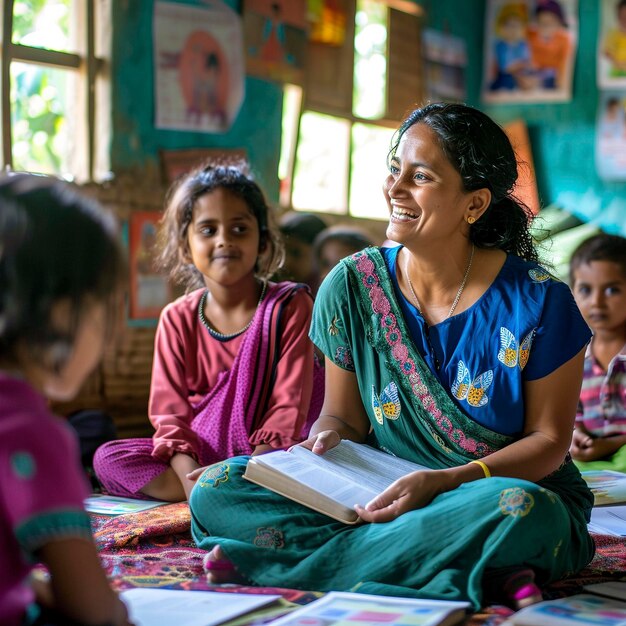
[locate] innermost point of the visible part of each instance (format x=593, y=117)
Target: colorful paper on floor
x=164, y=607
x=113, y=505
x=608, y=487
x=608, y=520
x=356, y=609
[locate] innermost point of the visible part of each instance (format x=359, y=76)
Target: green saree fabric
x=440, y=551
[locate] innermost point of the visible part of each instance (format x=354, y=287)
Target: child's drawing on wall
x=550, y=45
x=199, y=66
x=612, y=44
x=275, y=38
x=203, y=76
x=511, y=52
x=530, y=50
x=611, y=136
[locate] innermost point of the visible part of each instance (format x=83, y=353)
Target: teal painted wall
x=136, y=142
x=562, y=135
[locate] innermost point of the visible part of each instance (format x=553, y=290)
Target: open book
x=571, y=611
x=348, y=474
x=357, y=609
x=163, y=607
x=608, y=487
x=115, y=505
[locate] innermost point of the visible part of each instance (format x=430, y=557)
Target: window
x=357, y=90
x=53, y=90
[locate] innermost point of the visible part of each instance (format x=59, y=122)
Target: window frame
x=90, y=66
x=310, y=103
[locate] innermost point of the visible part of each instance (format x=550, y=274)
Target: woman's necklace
x=216, y=333
x=458, y=293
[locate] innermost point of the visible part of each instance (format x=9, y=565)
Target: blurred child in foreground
x=61, y=270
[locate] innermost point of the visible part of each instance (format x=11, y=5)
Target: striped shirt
x=602, y=405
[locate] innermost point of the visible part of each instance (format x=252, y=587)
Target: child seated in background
x=299, y=231
x=233, y=370
x=598, y=278
x=335, y=243
x=61, y=271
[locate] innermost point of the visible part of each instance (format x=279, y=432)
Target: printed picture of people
x=612, y=44
x=275, y=39
x=611, y=136
x=530, y=47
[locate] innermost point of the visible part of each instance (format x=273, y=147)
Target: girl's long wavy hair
x=180, y=202
x=482, y=154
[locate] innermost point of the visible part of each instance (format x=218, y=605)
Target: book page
x=322, y=479
x=115, y=505
x=356, y=609
x=572, y=611
x=609, y=520
x=164, y=607
x=608, y=487
x=361, y=464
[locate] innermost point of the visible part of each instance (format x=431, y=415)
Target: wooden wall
x=121, y=384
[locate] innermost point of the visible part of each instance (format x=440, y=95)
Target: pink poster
x=199, y=70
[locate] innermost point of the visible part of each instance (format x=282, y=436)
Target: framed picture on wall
x=150, y=289
x=198, y=66
x=530, y=49
x=611, y=136
x=275, y=35
x=611, y=69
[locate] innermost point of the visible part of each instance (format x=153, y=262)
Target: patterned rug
x=154, y=549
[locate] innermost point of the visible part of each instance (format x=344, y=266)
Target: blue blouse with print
x=525, y=326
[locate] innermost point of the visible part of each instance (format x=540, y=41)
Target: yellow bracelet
x=485, y=468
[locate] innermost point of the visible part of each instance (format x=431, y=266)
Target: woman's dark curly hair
x=482, y=154
x=178, y=215
x=55, y=246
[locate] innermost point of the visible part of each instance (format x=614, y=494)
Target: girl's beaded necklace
x=216, y=333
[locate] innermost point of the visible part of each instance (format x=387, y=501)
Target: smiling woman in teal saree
x=480, y=386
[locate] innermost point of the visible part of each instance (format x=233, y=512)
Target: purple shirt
x=42, y=489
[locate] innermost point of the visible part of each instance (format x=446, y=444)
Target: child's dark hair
x=178, y=215
x=482, y=154
x=601, y=247
x=55, y=246
x=346, y=235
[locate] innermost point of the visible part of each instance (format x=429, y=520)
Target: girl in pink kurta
x=234, y=370
x=61, y=268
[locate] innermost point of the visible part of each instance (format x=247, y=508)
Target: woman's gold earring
x=471, y=219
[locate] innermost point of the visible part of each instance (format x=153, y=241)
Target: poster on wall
x=198, y=66
x=445, y=59
x=611, y=69
x=149, y=289
x=530, y=48
x=611, y=135
x=275, y=34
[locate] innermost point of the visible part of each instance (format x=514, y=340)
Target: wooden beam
x=17, y=52
x=5, y=84
x=92, y=69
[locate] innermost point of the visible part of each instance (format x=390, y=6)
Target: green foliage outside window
x=38, y=92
